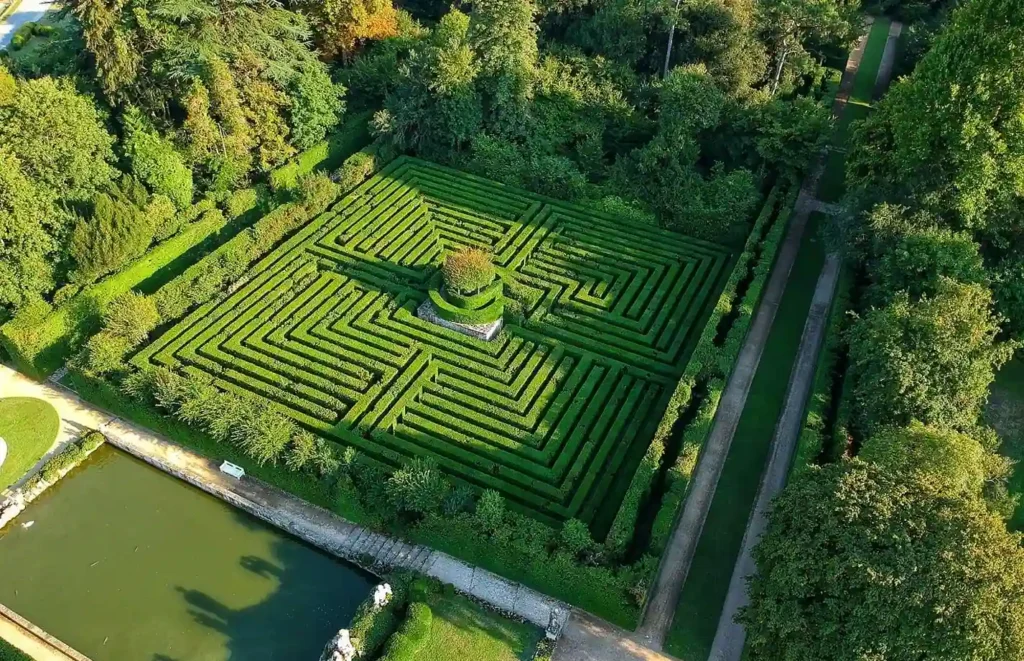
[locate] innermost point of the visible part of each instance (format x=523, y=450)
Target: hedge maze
x=555, y=413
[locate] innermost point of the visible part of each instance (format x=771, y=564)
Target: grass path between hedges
x=704, y=593
x=1006, y=414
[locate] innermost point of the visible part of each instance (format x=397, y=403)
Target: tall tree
x=342, y=26
x=931, y=360
x=859, y=562
x=58, y=136
x=789, y=24
x=30, y=226
x=504, y=37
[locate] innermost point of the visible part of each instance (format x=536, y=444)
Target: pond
x=124, y=562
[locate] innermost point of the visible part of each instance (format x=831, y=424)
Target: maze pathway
x=555, y=413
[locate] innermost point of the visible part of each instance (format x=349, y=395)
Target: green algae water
x=126, y=563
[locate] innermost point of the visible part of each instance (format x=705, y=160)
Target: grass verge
x=28, y=426
x=463, y=630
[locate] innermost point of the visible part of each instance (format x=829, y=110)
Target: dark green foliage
x=1008, y=285
x=115, y=231
x=372, y=627
x=417, y=487
x=857, y=561
x=155, y=161
x=575, y=537
x=317, y=106
x=931, y=360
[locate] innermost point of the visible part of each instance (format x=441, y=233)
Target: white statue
x=340, y=648
x=381, y=595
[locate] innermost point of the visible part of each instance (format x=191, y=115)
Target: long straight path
x=730, y=636
x=679, y=554
x=26, y=11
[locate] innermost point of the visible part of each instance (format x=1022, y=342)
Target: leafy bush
x=411, y=636
x=468, y=270
x=418, y=487
x=132, y=316
x=241, y=202
x=356, y=169
x=372, y=627
x=70, y=456
x=155, y=161
x=115, y=232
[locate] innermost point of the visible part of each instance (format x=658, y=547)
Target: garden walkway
x=675, y=564
x=730, y=636
x=313, y=524
x=28, y=10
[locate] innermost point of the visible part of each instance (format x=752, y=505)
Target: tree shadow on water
x=311, y=595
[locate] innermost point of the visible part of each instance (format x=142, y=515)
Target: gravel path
x=730, y=637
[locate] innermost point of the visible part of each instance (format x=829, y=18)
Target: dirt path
x=730, y=637
x=678, y=556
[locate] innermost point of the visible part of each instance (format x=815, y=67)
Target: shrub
x=115, y=232
x=317, y=105
x=164, y=217
x=575, y=537
x=241, y=202
x=155, y=161
x=261, y=432
x=490, y=510
x=131, y=316
x=8, y=87
x=356, y=169
x=105, y=352
x=372, y=627
x=411, y=636
x=468, y=270
x=69, y=457
x=418, y=487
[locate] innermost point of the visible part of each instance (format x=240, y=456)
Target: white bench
x=234, y=470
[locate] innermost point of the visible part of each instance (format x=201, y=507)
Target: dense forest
x=130, y=113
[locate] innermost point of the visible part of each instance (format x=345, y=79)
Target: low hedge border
x=815, y=436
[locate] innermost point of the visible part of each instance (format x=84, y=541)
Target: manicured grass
x=1006, y=414
x=9, y=652
x=462, y=630
x=700, y=603
x=29, y=427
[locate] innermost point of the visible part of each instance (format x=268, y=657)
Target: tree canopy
x=859, y=562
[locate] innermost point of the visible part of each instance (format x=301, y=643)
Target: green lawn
x=29, y=427
x=462, y=630
x=1006, y=413
x=703, y=595
x=10, y=653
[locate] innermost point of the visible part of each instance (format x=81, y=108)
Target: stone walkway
x=730, y=637
x=313, y=524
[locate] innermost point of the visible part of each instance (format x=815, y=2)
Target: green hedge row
x=42, y=336
x=71, y=455
x=714, y=368
x=411, y=636
x=271, y=338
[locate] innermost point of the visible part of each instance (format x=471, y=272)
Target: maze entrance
x=556, y=413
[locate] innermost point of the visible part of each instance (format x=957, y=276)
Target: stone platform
x=486, y=332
